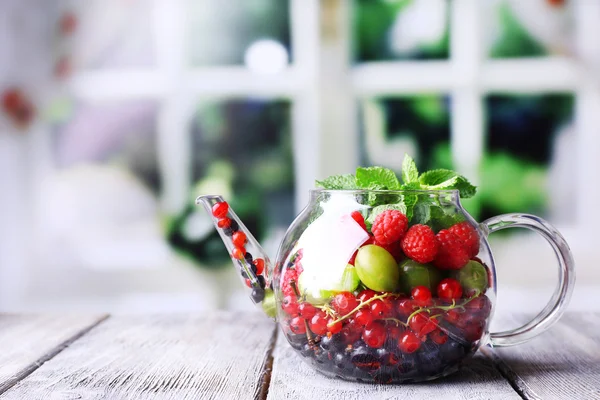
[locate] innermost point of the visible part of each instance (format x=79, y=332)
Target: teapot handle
x=566, y=277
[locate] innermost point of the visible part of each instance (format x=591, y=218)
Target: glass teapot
x=375, y=295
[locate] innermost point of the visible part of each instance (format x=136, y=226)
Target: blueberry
x=322, y=356
x=384, y=375
x=253, y=268
x=261, y=281
x=332, y=343
x=387, y=357
x=429, y=357
x=297, y=341
x=258, y=294
x=231, y=229
x=248, y=258
x=341, y=360
x=452, y=351
x=307, y=350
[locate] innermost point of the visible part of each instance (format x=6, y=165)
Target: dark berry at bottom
x=261, y=281
x=258, y=294
x=248, y=258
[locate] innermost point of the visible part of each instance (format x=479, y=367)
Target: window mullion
x=467, y=105
x=174, y=155
x=587, y=117
x=304, y=16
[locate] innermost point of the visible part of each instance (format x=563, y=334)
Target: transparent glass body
x=367, y=289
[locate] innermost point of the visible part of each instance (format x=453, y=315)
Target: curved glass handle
x=566, y=277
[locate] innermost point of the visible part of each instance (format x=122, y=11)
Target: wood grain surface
x=237, y=356
x=163, y=357
x=28, y=341
x=562, y=363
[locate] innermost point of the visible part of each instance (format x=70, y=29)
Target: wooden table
x=236, y=356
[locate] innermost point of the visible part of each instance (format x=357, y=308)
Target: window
x=349, y=82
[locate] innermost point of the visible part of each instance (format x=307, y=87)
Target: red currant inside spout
x=239, y=239
x=220, y=209
x=224, y=223
x=259, y=263
x=238, y=253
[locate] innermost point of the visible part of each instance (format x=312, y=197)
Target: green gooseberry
x=472, y=277
x=414, y=274
x=377, y=268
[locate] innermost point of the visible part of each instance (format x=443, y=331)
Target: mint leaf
x=445, y=179
x=338, y=182
x=421, y=213
x=379, y=209
x=409, y=170
x=465, y=188
x=377, y=178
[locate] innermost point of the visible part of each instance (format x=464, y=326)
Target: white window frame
x=323, y=96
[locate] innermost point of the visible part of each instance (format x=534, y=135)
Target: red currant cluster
x=252, y=270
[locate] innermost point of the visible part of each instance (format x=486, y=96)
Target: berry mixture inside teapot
x=387, y=280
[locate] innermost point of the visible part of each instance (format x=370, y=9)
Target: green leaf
x=338, y=182
x=421, y=213
x=445, y=179
x=377, y=178
x=409, y=170
x=379, y=209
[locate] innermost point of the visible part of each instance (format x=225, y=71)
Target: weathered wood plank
x=562, y=363
x=158, y=357
x=30, y=340
x=293, y=379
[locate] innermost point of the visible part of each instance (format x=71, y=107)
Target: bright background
x=117, y=113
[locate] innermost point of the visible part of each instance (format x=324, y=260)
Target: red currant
x=453, y=316
x=382, y=309
x=405, y=307
x=334, y=327
x=395, y=332
x=421, y=324
x=375, y=335
x=343, y=303
x=248, y=283
x=12, y=99
x=421, y=295
x=358, y=217
x=353, y=258
x=318, y=323
x=290, y=305
x=297, y=326
x=224, y=223
x=366, y=295
x=449, y=289
x=349, y=335
x=219, y=210
x=409, y=342
x=363, y=317
x=480, y=305
x=239, y=239
x=259, y=263
x=306, y=310
x=439, y=337
x=239, y=253
x=474, y=331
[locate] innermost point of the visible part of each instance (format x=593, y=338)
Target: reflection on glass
x=386, y=30
x=241, y=149
x=220, y=32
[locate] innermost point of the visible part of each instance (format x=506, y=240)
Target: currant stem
x=362, y=304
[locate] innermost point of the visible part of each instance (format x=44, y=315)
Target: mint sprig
x=380, y=178
x=418, y=208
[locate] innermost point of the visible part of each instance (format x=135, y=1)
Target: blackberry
x=258, y=294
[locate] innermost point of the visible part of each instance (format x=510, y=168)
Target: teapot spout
x=247, y=255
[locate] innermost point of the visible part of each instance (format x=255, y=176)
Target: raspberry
x=358, y=217
x=389, y=226
x=452, y=253
x=468, y=234
x=419, y=244
x=289, y=275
